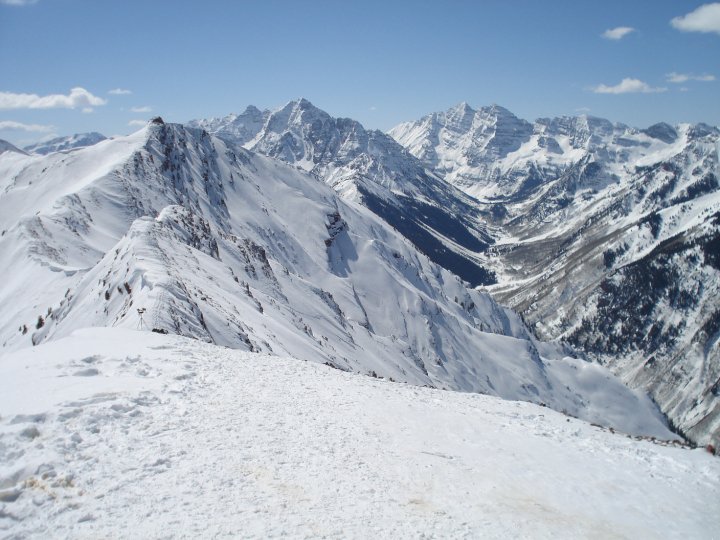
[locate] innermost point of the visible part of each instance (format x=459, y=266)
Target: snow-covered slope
x=369, y=167
x=138, y=435
x=69, y=142
x=242, y=250
x=607, y=237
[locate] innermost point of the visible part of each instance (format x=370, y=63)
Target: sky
x=70, y=66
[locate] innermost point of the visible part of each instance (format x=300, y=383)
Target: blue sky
x=380, y=62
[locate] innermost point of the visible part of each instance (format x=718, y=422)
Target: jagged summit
x=303, y=103
x=470, y=137
x=493, y=155
x=369, y=167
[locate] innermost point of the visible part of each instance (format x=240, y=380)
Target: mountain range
x=369, y=167
x=61, y=144
x=606, y=237
x=293, y=232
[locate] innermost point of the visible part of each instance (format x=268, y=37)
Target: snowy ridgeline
x=111, y=433
x=492, y=154
x=369, y=167
x=241, y=250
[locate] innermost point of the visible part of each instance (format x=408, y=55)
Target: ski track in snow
x=118, y=434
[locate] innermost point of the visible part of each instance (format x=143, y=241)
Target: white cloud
x=628, y=86
x=677, y=77
x=684, y=77
x=583, y=109
x=78, y=97
x=617, y=33
x=706, y=18
x=17, y=2
x=9, y=125
x=120, y=92
x=137, y=123
x=146, y=108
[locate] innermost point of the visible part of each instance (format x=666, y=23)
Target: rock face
x=61, y=144
x=369, y=167
x=606, y=238
x=227, y=246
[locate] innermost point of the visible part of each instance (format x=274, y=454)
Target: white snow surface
x=113, y=433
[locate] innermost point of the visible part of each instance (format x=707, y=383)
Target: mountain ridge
x=235, y=248
x=369, y=166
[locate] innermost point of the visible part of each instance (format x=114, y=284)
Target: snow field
x=122, y=434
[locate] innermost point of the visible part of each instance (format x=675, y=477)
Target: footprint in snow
x=28, y=418
x=89, y=372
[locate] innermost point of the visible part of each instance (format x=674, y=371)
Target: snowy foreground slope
x=112, y=433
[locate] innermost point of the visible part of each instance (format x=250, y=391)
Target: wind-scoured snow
x=112, y=433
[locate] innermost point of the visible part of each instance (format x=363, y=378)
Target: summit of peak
x=303, y=103
x=463, y=106
x=498, y=110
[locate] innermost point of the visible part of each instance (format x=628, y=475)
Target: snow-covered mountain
x=467, y=147
x=231, y=247
x=368, y=166
x=495, y=156
x=607, y=237
x=69, y=142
